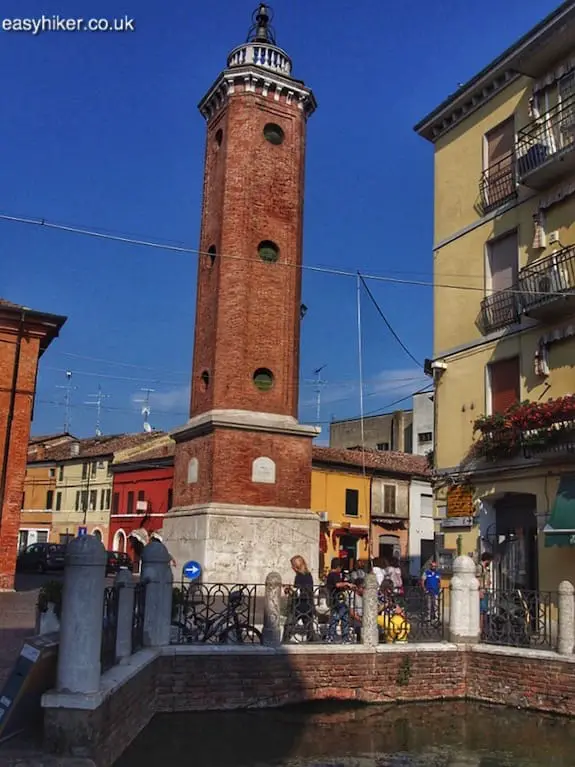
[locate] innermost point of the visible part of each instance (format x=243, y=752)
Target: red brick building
x=25, y=335
x=243, y=462
x=141, y=496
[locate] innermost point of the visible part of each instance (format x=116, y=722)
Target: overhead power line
x=384, y=318
x=42, y=222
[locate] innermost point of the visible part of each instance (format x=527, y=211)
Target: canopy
x=560, y=530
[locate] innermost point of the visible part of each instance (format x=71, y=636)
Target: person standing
x=301, y=607
x=431, y=584
x=337, y=600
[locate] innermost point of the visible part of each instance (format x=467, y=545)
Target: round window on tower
x=204, y=380
x=268, y=251
x=274, y=134
x=211, y=256
x=218, y=138
x=263, y=379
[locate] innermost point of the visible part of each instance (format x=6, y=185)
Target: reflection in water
x=450, y=734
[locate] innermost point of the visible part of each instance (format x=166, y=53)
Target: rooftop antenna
x=100, y=396
x=146, y=410
x=68, y=389
x=319, y=384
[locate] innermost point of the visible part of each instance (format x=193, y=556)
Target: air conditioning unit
x=141, y=505
x=323, y=516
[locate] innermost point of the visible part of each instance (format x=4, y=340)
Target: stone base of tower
x=241, y=544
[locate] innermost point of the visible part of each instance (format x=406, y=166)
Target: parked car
x=116, y=561
x=41, y=558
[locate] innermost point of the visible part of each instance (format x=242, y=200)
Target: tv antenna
x=146, y=409
x=100, y=397
x=68, y=389
x=319, y=384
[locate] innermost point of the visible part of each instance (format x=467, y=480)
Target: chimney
x=74, y=449
x=40, y=452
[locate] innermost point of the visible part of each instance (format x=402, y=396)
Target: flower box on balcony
x=530, y=426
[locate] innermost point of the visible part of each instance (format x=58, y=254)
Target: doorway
x=347, y=551
x=513, y=539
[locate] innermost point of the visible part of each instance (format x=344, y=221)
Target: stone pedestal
x=464, y=623
x=241, y=544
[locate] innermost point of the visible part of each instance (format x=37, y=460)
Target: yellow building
x=504, y=318
x=372, y=504
x=82, y=493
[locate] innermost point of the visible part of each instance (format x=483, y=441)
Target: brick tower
x=243, y=462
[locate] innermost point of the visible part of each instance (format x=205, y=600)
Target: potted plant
x=49, y=607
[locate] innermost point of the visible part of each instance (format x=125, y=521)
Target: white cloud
x=387, y=385
x=176, y=400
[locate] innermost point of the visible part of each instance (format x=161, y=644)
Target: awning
x=560, y=530
x=361, y=532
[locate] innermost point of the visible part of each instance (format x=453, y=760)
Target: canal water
x=446, y=734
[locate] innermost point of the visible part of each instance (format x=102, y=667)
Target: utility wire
x=319, y=269
x=384, y=318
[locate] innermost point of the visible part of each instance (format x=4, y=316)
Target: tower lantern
x=243, y=461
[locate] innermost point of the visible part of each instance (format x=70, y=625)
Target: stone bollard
x=272, y=610
x=125, y=584
x=464, y=624
x=82, y=616
x=369, y=627
x=157, y=577
x=566, y=618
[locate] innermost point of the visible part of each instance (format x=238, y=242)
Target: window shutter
x=505, y=384
x=389, y=499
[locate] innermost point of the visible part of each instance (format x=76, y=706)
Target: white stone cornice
x=250, y=79
x=244, y=420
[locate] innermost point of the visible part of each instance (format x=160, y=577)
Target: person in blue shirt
x=431, y=583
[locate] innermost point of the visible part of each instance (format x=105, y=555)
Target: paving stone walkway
x=17, y=618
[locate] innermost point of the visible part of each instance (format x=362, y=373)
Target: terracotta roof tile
x=382, y=460
x=93, y=447
x=160, y=448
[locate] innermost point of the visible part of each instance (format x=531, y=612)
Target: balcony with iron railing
x=499, y=310
x=498, y=183
x=547, y=287
x=545, y=147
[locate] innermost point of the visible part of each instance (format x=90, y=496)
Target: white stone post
x=272, y=610
x=369, y=627
x=82, y=616
x=125, y=584
x=158, y=579
x=566, y=618
x=464, y=623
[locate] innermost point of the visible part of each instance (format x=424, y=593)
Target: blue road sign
x=192, y=570
x=82, y=531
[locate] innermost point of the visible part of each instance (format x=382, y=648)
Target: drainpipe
x=11, y=408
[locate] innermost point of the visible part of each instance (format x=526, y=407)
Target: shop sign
x=457, y=522
x=460, y=502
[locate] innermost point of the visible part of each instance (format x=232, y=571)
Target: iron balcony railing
x=499, y=310
x=498, y=183
x=548, y=136
x=518, y=618
x=549, y=279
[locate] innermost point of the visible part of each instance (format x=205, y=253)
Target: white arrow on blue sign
x=192, y=570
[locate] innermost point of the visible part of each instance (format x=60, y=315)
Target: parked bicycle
x=227, y=626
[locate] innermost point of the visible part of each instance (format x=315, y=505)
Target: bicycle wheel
x=190, y=631
x=241, y=634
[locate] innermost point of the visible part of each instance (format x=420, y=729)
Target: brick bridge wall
x=204, y=678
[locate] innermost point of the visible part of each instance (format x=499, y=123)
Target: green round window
x=268, y=251
x=274, y=134
x=263, y=379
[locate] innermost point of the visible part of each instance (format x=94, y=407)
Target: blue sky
x=102, y=131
